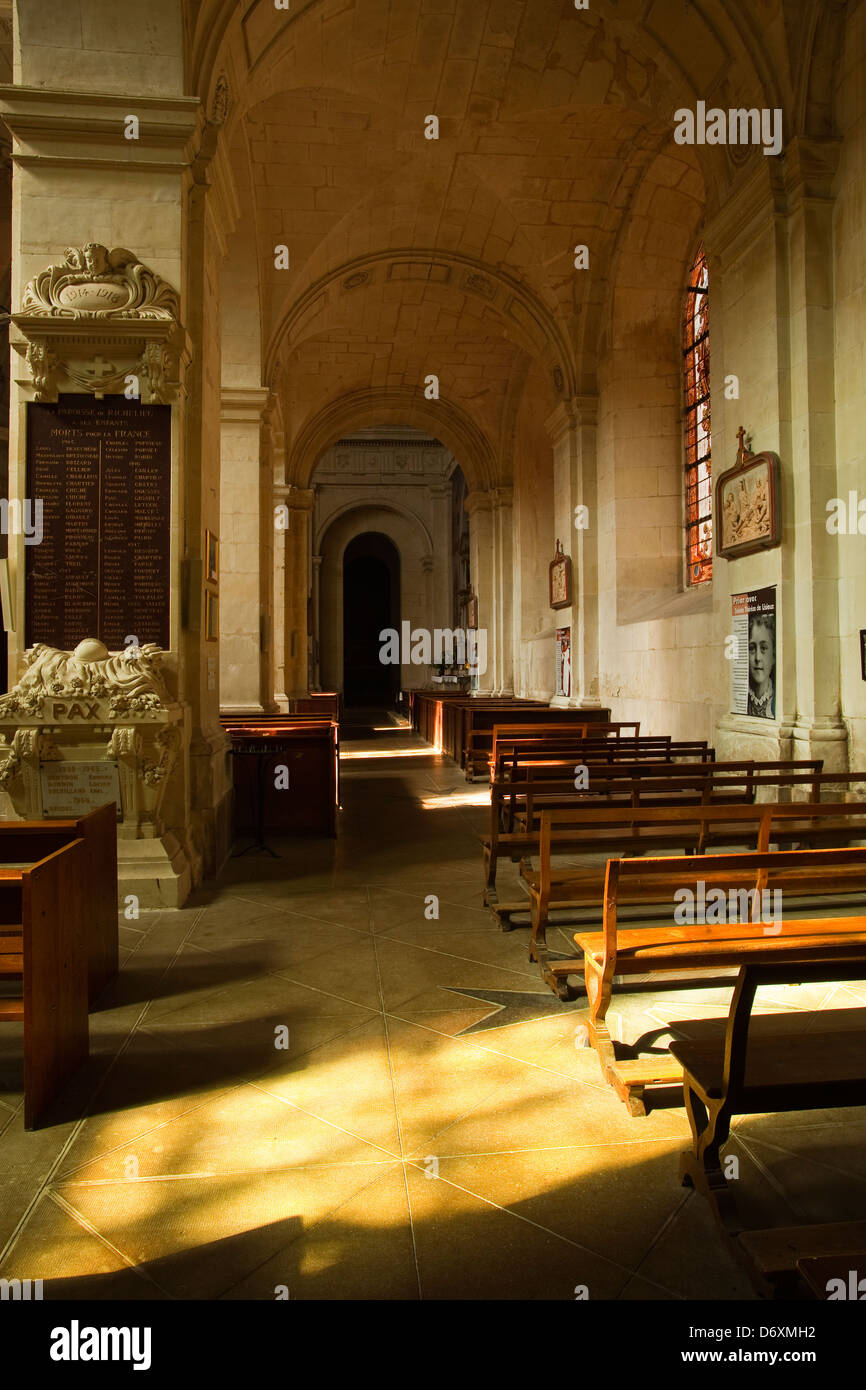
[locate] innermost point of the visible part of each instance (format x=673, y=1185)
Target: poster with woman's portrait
x=563, y=661
x=753, y=653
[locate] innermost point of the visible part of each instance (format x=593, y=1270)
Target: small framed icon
x=560, y=579
x=211, y=617
x=212, y=547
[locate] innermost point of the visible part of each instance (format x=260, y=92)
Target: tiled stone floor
x=412, y=1141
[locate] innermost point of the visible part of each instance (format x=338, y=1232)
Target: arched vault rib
x=366, y=409
x=529, y=322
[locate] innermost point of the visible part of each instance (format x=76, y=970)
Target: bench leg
x=701, y=1166
x=598, y=992
x=555, y=975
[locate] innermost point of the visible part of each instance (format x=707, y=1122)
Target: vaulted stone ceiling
x=455, y=257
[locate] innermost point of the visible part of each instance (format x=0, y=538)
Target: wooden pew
x=754, y=1068
x=43, y=944
x=775, y=1258
x=27, y=842
x=648, y=947
x=694, y=830
x=479, y=727
x=516, y=805
x=646, y=783
x=553, y=758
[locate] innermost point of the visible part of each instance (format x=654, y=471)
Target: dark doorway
x=371, y=603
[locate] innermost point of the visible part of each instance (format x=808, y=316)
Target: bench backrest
x=805, y=872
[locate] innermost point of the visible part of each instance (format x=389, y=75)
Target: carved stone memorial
x=109, y=721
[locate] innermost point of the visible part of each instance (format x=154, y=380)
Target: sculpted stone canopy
x=97, y=318
x=93, y=281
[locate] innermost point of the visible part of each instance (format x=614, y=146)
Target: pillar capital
x=478, y=501
x=297, y=499
x=570, y=415
x=244, y=404
x=809, y=170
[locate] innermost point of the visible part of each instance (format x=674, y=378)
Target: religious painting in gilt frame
x=211, y=617
x=560, y=579
x=748, y=504
x=211, y=557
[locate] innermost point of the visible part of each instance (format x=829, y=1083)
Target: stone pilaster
x=572, y=431
x=818, y=730
x=482, y=570
x=298, y=571
x=246, y=529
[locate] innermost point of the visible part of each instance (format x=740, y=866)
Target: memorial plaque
x=102, y=470
x=73, y=789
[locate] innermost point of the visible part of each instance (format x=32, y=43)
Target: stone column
x=246, y=529
x=298, y=567
x=503, y=559
x=441, y=600
x=315, y=655
x=483, y=579
x=572, y=431
x=818, y=729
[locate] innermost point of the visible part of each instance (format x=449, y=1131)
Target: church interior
x=433, y=718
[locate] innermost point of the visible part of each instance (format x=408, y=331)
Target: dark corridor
x=371, y=603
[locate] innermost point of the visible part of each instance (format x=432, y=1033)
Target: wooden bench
x=753, y=1069
x=44, y=950
x=778, y=1257
x=511, y=753
x=680, y=948
x=694, y=830
x=27, y=842
x=477, y=753
x=517, y=804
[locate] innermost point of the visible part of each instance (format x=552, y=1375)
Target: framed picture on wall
x=211, y=616
x=748, y=504
x=560, y=579
x=211, y=549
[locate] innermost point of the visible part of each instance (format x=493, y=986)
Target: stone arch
x=411, y=540
x=388, y=505
x=368, y=408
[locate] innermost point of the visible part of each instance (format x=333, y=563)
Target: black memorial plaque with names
x=102, y=470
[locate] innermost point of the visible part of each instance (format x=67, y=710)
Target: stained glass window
x=696, y=384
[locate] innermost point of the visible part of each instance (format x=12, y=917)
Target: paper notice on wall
x=753, y=653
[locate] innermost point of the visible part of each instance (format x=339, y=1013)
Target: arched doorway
x=371, y=603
